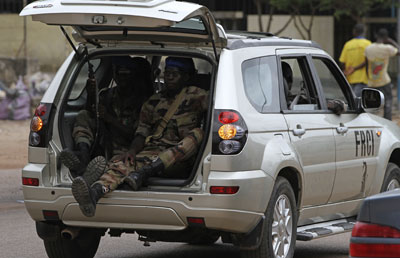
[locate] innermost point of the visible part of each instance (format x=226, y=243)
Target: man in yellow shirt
x=378, y=55
x=352, y=60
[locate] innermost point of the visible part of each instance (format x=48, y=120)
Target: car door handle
x=342, y=129
x=299, y=131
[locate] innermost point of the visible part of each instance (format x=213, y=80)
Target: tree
x=297, y=9
x=259, y=5
x=354, y=9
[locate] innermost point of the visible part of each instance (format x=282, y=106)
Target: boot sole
x=95, y=170
x=81, y=192
x=70, y=160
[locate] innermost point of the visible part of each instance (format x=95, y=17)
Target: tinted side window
x=261, y=84
x=300, y=91
x=331, y=85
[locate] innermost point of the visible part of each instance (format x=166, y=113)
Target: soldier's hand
x=128, y=158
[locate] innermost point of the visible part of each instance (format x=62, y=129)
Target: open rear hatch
x=160, y=21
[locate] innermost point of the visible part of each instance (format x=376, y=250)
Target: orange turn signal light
x=36, y=124
x=227, y=131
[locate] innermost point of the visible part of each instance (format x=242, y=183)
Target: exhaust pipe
x=70, y=233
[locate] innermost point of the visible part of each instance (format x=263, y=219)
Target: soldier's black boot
x=94, y=170
x=139, y=177
x=87, y=196
x=76, y=161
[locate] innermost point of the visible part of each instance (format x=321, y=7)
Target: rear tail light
x=30, y=181
x=39, y=135
x=229, y=132
x=224, y=189
x=368, y=240
x=362, y=229
x=196, y=222
x=228, y=117
x=50, y=215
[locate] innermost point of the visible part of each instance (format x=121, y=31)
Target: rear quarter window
x=260, y=80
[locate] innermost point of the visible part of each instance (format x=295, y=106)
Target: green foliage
x=353, y=8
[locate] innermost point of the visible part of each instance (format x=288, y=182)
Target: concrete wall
x=46, y=45
x=322, y=30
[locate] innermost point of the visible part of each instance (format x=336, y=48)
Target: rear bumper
x=161, y=210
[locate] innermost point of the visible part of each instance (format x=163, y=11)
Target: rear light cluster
x=39, y=133
x=229, y=132
x=371, y=240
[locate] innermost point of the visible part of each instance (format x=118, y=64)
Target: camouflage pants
x=117, y=171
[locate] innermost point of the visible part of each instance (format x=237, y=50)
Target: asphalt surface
x=18, y=238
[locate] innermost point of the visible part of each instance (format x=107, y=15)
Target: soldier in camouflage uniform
x=170, y=153
x=118, y=108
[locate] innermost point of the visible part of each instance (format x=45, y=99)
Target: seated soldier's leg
x=83, y=134
x=112, y=175
x=147, y=165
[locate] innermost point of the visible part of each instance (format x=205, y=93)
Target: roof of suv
x=244, y=39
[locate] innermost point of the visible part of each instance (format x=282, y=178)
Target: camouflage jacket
x=182, y=134
x=125, y=110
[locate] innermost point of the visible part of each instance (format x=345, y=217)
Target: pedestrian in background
x=352, y=59
x=378, y=55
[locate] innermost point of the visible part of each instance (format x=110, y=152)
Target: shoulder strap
x=164, y=121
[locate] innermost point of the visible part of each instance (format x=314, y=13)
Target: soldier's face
x=123, y=76
x=173, y=78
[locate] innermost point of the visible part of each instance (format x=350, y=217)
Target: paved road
x=18, y=237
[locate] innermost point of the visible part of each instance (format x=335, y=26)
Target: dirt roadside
x=13, y=144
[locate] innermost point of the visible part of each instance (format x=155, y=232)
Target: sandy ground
x=13, y=144
x=13, y=157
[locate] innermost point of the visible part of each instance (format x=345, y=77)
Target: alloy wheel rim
x=393, y=184
x=282, y=227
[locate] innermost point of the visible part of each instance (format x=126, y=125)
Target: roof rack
x=239, y=34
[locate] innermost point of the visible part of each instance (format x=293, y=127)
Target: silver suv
x=289, y=152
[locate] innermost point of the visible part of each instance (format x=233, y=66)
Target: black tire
x=392, y=178
x=284, y=193
x=207, y=239
x=83, y=246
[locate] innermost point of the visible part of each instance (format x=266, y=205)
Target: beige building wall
x=322, y=30
x=46, y=45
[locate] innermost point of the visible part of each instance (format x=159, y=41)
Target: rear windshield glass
x=193, y=25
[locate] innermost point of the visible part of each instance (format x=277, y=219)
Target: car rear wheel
x=392, y=178
x=279, y=234
x=83, y=246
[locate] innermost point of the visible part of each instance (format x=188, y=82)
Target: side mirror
x=372, y=100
